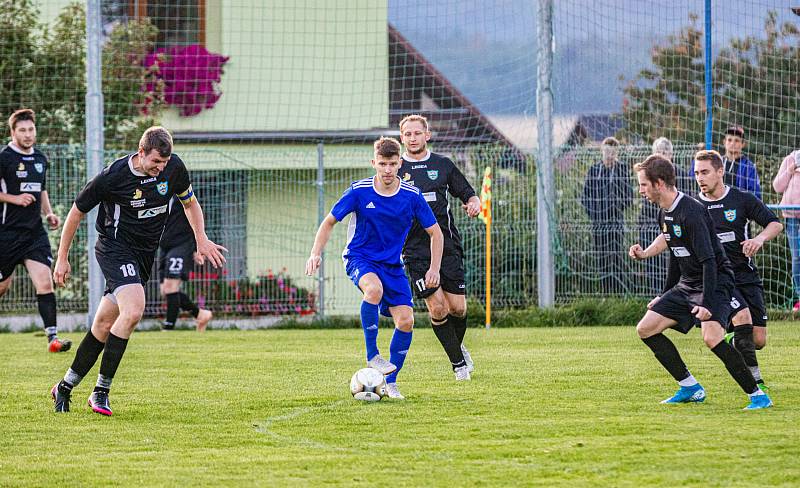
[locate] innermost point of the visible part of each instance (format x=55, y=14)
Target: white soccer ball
x=368, y=385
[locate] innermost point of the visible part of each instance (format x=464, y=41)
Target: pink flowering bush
x=189, y=76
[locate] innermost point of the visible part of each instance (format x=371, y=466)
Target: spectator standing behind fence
x=648, y=227
x=740, y=172
x=607, y=192
x=787, y=183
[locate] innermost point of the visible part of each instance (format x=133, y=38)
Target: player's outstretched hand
x=24, y=199
x=61, y=272
x=652, y=302
x=636, y=252
x=312, y=265
x=751, y=246
x=701, y=313
x=431, y=279
x=207, y=249
x=472, y=207
x=53, y=221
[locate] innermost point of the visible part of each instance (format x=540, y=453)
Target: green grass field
x=546, y=407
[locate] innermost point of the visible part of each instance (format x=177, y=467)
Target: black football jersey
x=691, y=238
x=134, y=206
x=177, y=231
x=436, y=176
x=22, y=173
x=731, y=216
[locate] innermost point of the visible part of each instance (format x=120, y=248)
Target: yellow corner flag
x=486, y=217
x=486, y=196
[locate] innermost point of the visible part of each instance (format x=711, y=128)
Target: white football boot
x=468, y=359
x=393, y=392
x=462, y=373
x=382, y=365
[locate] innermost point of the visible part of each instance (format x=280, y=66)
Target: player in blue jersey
x=383, y=209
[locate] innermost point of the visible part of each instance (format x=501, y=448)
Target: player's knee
x=743, y=317
x=405, y=322
x=4, y=286
x=458, y=309
x=373, y=292
x=438, y=310
x=644, y=329
x=131, y=316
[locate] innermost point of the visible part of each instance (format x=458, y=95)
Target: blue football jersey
x=379, y=224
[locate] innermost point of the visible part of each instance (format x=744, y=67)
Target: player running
x=133, y=194
x=23, y=240
x=731, y=211
x=699, y=285
x=383, y=209
x=436, y=176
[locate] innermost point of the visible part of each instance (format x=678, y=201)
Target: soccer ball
x=368, y=385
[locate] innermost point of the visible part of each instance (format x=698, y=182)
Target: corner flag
x=486, y=217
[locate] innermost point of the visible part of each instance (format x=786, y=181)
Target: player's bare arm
x=22, y=200
x=751, y=246
x=655, y=248
x=437, y=246
x=62, y=268
x=206, y=248
x=321, y=239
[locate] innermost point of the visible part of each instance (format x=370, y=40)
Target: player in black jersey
x=436, y=176
x=731, y=211
x=699, y=285
x=176, y=258
x=24, y=199
x=133, y=194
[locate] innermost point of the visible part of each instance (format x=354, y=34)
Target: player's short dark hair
x=657, y=167
x=710, y=155
x=387, y=147
x=157, y=138
x=735, y=130
x=20, y=115
x=414, y=118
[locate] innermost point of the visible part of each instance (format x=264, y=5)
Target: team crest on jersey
x=730, y=215
x=39, y=167
x=433, y=173
x=677, y=229
x=162, y=188
x=137, y=194
x=406, y=176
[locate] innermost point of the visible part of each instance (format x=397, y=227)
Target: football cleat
x=393, y=392
x=758, y=402
x=60, y=398
x=462, y=373
x=468, y=359
x=687, y=394
x=98, y=400
x=382, y=365
x=59, y=345
x=203, y=318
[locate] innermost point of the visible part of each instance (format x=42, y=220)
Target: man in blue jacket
x=740, y=172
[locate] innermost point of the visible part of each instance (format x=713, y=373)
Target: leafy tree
x=43, y=67
x=754, y=85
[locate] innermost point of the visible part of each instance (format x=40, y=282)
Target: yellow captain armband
x=187, y=196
